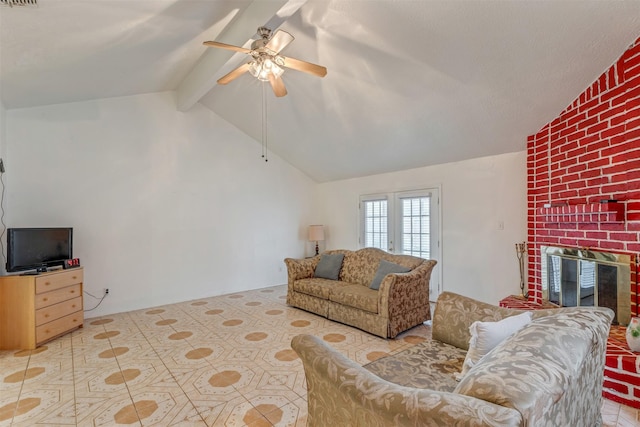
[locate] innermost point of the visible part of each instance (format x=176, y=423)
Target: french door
x=403, y=223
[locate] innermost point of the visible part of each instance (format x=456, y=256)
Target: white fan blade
x=227, y=46
x=304, y=66
x=279, y=41
x=234, y=74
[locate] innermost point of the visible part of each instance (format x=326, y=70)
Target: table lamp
x=316, y=234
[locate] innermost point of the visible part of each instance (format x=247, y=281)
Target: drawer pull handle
x=47, y=283
x=74, y=277
x=45, y=299
x=73, y=306
x=73, y=291
x=75, y=320
x=46, y=315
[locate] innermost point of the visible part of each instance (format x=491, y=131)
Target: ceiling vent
x=18, y=3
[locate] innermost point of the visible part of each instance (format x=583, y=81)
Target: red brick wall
x=590, y=152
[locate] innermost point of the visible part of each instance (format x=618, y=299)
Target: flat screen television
x=38, y=248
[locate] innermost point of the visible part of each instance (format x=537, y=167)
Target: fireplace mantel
x=584, y=213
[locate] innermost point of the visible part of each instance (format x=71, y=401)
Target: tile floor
x=220, y=361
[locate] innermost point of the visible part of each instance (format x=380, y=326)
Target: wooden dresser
x=37, y=309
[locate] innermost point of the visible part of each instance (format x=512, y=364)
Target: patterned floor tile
x=218, y=361
x=35, y=404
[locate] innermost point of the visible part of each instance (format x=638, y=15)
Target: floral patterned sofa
x=548, y=373
x=401, y=302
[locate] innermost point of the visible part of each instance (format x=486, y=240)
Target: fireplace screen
x=577, y=277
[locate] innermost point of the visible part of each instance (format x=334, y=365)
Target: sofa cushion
x=486, y=335
x=356, y=296
x=360, y=266
x=320, y=288
x=430, y=364
x=329, y=266
x=384, y=268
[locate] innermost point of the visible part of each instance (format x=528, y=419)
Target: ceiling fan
x=267, y=63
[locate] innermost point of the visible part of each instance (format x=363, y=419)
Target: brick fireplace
x=583, y=179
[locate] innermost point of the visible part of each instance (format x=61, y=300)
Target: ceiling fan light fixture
x=261, y=67
x=273, y=68
x=266, y=64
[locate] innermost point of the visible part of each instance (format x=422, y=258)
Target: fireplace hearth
x=581, y=277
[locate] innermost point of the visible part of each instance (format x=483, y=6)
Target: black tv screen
x=38, y=248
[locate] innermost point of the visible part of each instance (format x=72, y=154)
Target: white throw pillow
x=487, y=335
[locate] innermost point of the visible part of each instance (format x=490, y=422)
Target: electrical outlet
x=106, y=291
x=1, y=166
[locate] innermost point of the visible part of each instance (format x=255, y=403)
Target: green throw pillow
x=385, y=268
x=329, y=266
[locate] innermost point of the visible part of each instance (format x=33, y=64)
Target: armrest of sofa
x=341, y=392
x=550, y=371
x=455, y=313
x=300, y=268
x=402, y=291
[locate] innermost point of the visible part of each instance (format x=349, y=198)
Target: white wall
x=478, y=259
x=166, y=206
x=3, y=118
x=3, y=130
x=2, y=115
x=3, y=151
x=169, y=206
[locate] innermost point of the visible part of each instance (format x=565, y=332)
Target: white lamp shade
x=316, y=233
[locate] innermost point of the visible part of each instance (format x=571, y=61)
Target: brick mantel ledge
x=584, y=213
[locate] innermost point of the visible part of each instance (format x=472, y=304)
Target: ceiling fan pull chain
x=264, y=123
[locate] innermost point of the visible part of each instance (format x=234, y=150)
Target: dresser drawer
x=50, y=282
x=53, y=312
x=58, y=326
x=59, y=295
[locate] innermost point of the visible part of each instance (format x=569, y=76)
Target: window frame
x=362, y=218
x=398, y=216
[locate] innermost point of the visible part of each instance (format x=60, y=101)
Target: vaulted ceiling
x=410, y=83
